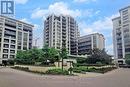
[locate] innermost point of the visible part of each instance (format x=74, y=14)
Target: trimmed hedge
x=26, y=69
x=97, y=65
x=105, y=69
x=124, y=66
x=21, y=68
x=48, y=72
x=57, y=72
x=93, y=69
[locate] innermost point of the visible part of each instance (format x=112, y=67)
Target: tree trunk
x=62, y=64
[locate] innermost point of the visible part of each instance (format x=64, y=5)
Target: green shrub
x=127, y=61
x=93, y=69
x=106, y=69
x=11, y=62
x=86, y=65
x=57, y=72
x=50, y=71
x=27, y=69
x=99, y=63
x=80, y=69
x=21, y=68
x=77, y=70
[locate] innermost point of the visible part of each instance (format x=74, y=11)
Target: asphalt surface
x=14, y=78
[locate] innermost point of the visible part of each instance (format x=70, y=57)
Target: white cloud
x=36, y=26
x=84, y=29
x=56, y=8
x=82, y=1
x=88, y=13
x=21, y=1
x=109, y=49
x=102, y=25
x=62, y=8
x=97, y=12
x=39, y=13
x=25, y=20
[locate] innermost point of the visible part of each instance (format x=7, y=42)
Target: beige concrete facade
x=14, y=35
x=121, y=34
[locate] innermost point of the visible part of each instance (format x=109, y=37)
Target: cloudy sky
x=91, y=15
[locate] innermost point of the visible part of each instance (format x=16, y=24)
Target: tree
x=97, y=56
x=50, y=54
x=46, y=54
x=28, y=56
x=127, y=59
x=63, y=55
x=34, y=54
x=53, y=55
x=23, y=57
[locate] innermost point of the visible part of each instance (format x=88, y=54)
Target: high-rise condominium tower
x=121, y=34
x=61, y=31
x=14, y=35
x=91, y=41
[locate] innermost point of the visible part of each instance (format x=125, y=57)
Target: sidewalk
x=88, y=74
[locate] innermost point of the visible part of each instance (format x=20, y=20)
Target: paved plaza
x=14, y=78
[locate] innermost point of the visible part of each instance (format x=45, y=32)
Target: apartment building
x=61, y=31
x=14, y=35
x=121, y=34
x=91, y=41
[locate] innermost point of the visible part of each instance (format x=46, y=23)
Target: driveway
x=14, y=78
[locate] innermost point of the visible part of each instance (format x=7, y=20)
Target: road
x=14, y=78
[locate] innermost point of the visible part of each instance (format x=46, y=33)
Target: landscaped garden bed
x=55, y=71
x=59, y=71
x=82, y=69
x=26, y=69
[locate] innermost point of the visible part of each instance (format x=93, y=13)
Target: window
x=19, y=47
x=24, y=48
x=125, y=12
x=12, y=51
x=19, y=35
x=10, y=32
x=5, y=51
x=126, y=28
x=19, y=42
x=6, y=45
x=24, y=43
x=13, y=41
x=12, y=56
x=126, y=21
x=6, y=40
x=125, y=17
x=127, y=50
x=5, y=56
x=119, y=22
x=20, y=26
x=12, y=46
x=25, y=36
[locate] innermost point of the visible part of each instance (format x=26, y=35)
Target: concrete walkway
x=14, y=78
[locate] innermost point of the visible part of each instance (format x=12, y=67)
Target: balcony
x=10, y=25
